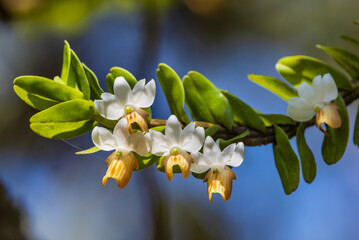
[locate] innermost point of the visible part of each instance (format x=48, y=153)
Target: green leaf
x=205, y=101
x=64, y=120
x=346, y=59
x=286, y=161
x=159, y=129
x=95, y=88
x=58, y=80
x=335, y=144
x=42, y=93
x=225, y=143
x=119, y=72
x=211, y=130
x=146, y=161
x=173, y=89
x=309, y=167
x=77, y=77
x=66, y=63
x=276, y=119
x=356, y=129
x=243, y=114
x=351, y=40
x=88, y=151
x=274, y=85
x=299, y=69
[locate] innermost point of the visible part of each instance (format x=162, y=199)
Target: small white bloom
x=219, y=177
x=316, y=101
x=175, y=145
x=122, y=161
x=127, y=102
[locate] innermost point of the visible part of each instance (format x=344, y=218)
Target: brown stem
x=256, y=138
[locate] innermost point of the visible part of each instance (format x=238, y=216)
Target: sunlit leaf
x=205, y=101
x=95, y=88
x=274, y=85
x=88, y=151
x=346, y=59
x=65, y=120
x=225, y=143
x=335, y=144
x=299, y=69
x=243, y=114
x=66, y=63
x=146, y=161
x=286, y=161
x=119, y=72
x=309, y=167
x=42, y=93
x=77, y=77
x=173, y=89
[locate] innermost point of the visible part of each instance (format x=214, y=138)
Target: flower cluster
x=177, y=147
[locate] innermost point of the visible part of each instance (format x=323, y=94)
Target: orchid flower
x=127, y=102
x=122, y=161
x=175, y=145
x=316, y=101
x=219, y=177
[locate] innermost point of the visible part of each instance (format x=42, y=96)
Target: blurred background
x=48, y=192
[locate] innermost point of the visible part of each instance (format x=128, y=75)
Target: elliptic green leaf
x=119, y=72
x=64, y=120
x=276, y=119
x=42, y=93
x=88, y=151
x=95, y=88
x=211, y=130
x=77, y=77
x=66, y=63
x=335, y=144
x=205, y=101
x=274, y=85
x=225, y=143
x=309, y=167
x=146, y=161
x=351, y=40
x=286, y=161
x=346, y=59
x=173, y=89
x=299, y=69
x=243, y=114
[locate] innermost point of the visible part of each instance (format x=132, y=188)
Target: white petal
x=211, y=151
x=143, y=95
x=160, y=144
x=300, y=110
x=108, y=107
x=318, y=88
x=306, y=91
x=330, y=89
x=192, y=138
x=173, y=130
x=200, y=163
x=122, y=90
x=235, y=157
x=121, y=132
x=103, y=139
x=139, y=143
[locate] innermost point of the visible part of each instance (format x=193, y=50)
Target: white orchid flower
x=122, y=161
x=219, y=177
x=316, y=101
x=127, y=102
x=175, y=145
